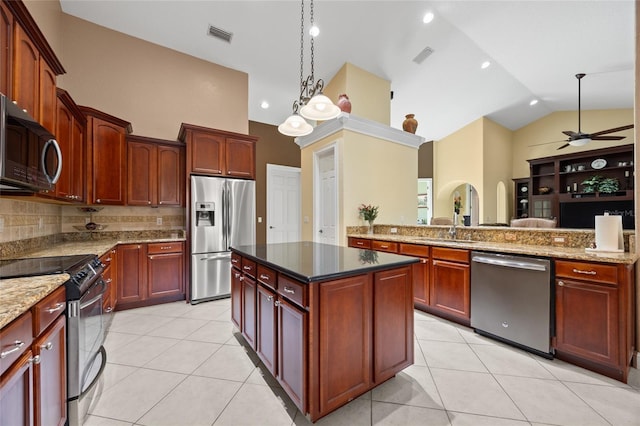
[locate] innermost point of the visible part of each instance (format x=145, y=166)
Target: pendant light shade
x=295, y=126
x=580, y=142
x=319, y=108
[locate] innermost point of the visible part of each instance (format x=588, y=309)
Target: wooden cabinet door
x=207, y=153
x=587, y=320
x=236, y=297
x=240, y=158
x=249, y=309
x=6, y=50
x=132, y=273
x=16, y=392
x=266, y=336
x=108, y=160
x=63, y=132
x=170, y=175
x=392, y=310
x=47, y=96
x=292, y=352
x=26, y=72
x=165, y=275
x=142, y=174
x=420, y=273
x=449, y=292
x=78, y=164
x=51, y=375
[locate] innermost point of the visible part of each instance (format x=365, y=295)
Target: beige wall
x=368, y=93
x=550, y=127
x=497, y=169
x=154, y=88
x=370, y=171
x=272, y=148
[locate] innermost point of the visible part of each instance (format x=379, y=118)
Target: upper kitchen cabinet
x=155, y=172
x=71, y=126
x=219, y=153
x=106, y=158
x=32, y=63
x=6, y=49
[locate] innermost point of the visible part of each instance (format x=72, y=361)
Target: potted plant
x=368, y=213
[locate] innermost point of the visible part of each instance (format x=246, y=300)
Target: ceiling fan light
x=319, y=108
x=580, y=142
x=295, y=126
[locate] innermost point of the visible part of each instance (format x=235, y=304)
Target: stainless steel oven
x=86, y=325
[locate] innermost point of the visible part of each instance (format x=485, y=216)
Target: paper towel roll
x=609, y=233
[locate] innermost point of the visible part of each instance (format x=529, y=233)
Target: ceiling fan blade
x=607, y=138
x=564, y=146
x=617, y=129
x=570, y=133
x=546, y=143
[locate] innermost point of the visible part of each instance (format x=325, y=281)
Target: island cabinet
x=327, y=339
x=155, y=172
x=594, y=316
x=421, y=274
x=33, y=381
x=219, y=153
x=149, y=274
x=106, y=158
x=449, y=294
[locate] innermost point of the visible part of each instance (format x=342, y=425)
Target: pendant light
x=313, y=105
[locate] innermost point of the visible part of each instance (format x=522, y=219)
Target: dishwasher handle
x=509, y=263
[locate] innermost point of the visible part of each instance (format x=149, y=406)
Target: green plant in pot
x=591, y=184
x=608, y=185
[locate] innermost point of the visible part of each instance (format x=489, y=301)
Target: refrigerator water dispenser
x=205, y=214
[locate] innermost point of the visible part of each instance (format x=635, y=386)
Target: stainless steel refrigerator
x=222, y=215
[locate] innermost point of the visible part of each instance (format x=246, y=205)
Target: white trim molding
x=346, y=121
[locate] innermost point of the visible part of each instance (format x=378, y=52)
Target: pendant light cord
x=301, y=43
x=313, y=79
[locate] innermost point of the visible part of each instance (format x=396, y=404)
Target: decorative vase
x=467, y=220
x=370, y=229
x=410, y=124
x=344, y=103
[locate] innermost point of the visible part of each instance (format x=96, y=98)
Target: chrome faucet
x=453, y=232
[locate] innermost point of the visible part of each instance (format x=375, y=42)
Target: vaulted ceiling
x=535, y=49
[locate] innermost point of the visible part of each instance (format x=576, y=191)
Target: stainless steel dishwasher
x=511, y=300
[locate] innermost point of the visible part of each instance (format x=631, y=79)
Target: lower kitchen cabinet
x=266, y=327
x=236, y=293
x=420, y=272
x=149, y=274
x=450, y=293
x=594, y=324
x=33, y=381
x=109, y=274
x=249, y=309
x=292, y=351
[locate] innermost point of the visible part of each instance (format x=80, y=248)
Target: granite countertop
x=18, y=295
x=308, y=261
x=526, y=249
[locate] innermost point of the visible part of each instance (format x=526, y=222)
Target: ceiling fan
x=579, y=138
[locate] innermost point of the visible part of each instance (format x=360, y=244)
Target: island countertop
x=312, y=262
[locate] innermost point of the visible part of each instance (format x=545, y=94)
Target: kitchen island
x=329, y=322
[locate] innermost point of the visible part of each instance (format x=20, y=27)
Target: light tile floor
x=181, y=365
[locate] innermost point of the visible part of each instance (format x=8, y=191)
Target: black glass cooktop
x=17, y=268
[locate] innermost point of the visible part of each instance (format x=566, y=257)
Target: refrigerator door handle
x=217, y=257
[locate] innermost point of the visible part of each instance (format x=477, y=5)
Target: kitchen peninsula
x=329, y=322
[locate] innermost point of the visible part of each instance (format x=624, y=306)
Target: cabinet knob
x=98, y=200
x=269, y=298
x=35, y=360
x=237, y=275
x=276, y=303
x=47, y=346
x=241, y=278
x=160, y=202
x=561, y=283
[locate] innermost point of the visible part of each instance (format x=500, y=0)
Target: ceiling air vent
x=423, y=55
x=220, y=33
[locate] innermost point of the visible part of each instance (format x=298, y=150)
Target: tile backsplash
x=22, y=220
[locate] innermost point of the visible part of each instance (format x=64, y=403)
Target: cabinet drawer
x=168, y=247
x=15, y=339
x=293, y=290
x=359, y=242
x=249, y=267
x=107, y=258
x=384, y=246
x=414, y=250
x=236, y=260
x=48, y=309
x=607, y=274
x=455, y=255
x=267, y=276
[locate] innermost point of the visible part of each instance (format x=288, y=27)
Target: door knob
x=271, y=227
x=320, y=231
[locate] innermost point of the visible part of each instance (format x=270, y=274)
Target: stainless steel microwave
x=30, y=157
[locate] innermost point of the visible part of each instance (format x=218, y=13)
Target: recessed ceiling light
x=485, y=65
x=428, y=17
x=314, y=31
x=533, y=102
x=264, y=105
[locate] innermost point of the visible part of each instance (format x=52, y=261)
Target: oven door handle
x=95, y=298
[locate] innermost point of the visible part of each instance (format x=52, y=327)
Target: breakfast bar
x=329, y=322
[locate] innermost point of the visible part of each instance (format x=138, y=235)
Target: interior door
x=283, y=204
x=326, y=203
